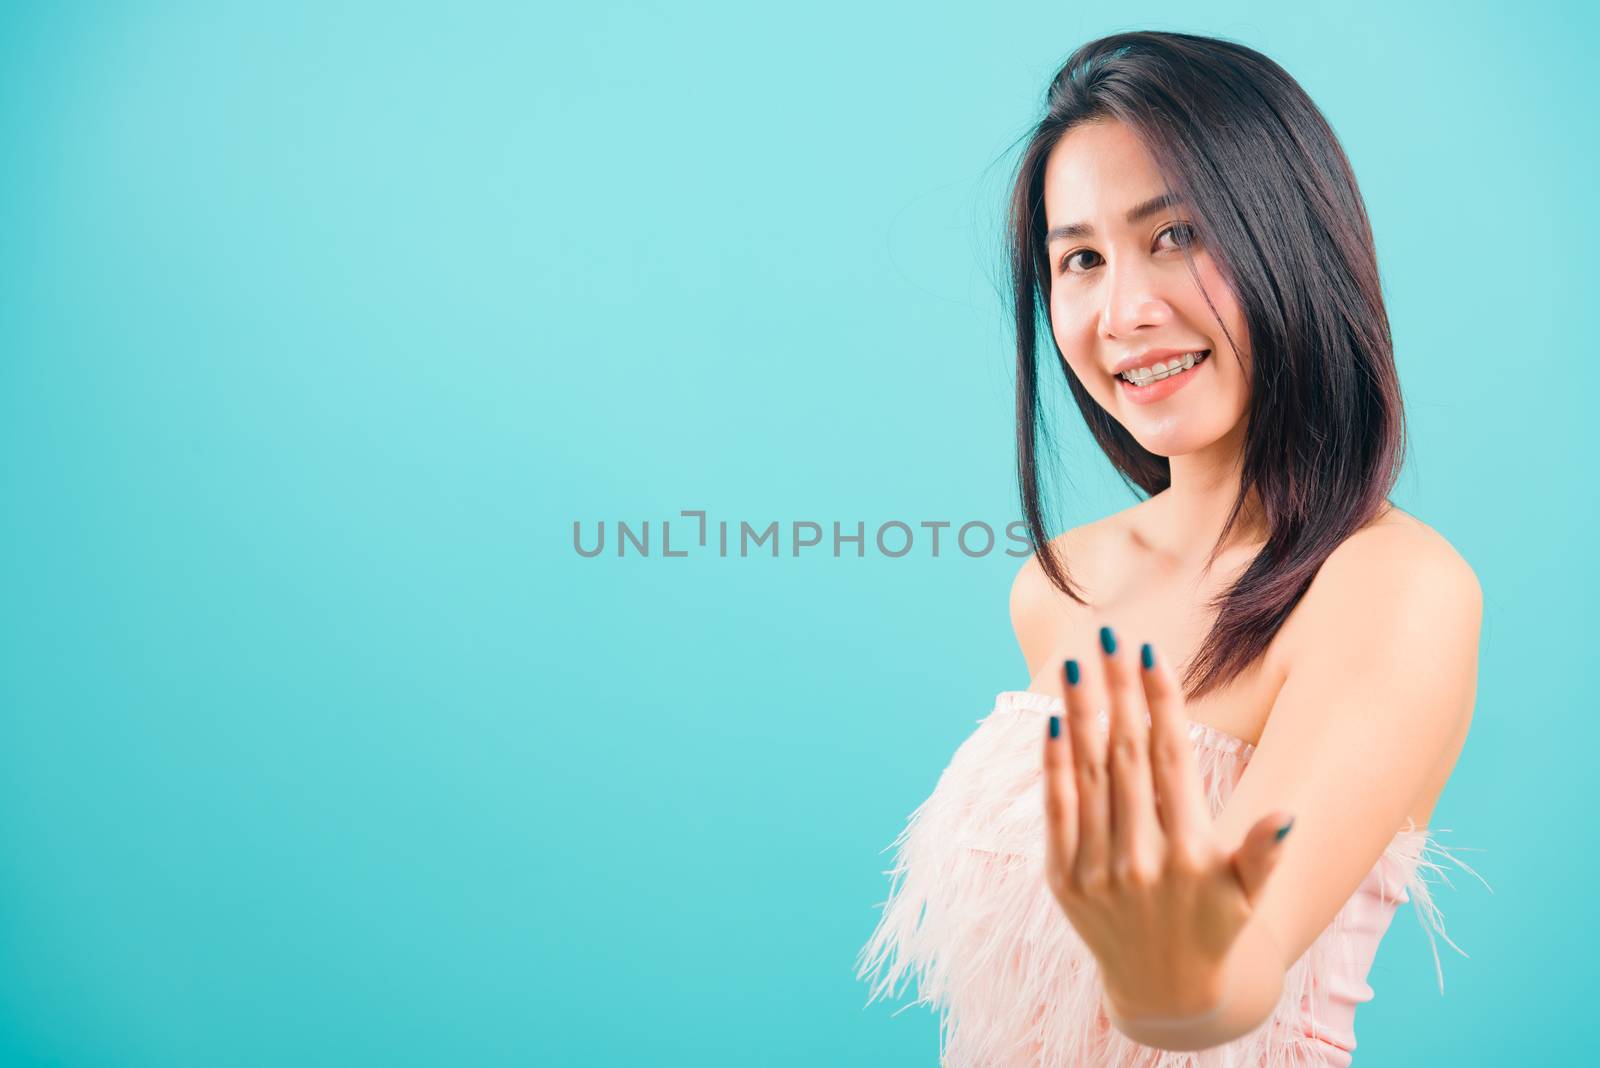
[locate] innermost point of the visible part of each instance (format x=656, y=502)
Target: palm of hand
x=1132, y=853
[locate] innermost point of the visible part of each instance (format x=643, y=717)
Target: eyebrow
x=1137, y=214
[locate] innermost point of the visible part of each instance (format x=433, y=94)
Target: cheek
x=1086, y=374
x=1073, y=336
x=1232, y=316
x=1077, y=355
x=1227, y=307
x=1236, y=382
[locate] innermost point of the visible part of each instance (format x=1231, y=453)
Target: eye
x=1183, y=233
x=1185, y=229
x=1068, y=258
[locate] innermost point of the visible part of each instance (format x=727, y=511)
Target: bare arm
x=1380, y=690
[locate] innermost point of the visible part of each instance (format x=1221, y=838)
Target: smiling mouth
x=1170, y=372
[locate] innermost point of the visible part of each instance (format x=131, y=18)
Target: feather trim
x=969, y=917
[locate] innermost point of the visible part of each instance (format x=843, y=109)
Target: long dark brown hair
x=1276, y=204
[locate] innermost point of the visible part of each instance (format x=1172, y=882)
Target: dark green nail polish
x=1285, y=829
x=1147, y=656
x=1055, y=726
x=1072, y=672
x=1108, y=641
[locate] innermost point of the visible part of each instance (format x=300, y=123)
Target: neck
x=1196, y=505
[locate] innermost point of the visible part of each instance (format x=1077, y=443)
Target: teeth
x=1141, y=376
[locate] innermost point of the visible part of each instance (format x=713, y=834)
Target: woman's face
x=1120, y=291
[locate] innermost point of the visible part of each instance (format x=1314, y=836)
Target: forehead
x=1096, y=172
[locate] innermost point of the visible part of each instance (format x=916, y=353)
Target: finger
x=1260, y=853
x=1089, y=775
x=1060, y=799
x=1180, y=795
x=1135, y=829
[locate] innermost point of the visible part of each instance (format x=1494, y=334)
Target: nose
x=1132, y=299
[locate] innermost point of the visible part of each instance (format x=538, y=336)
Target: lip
x=1163, y=389
x=1151, y=356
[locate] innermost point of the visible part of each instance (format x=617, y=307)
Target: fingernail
x=1284, y=829
x=1108, y=641
x=1147, y=656
x=1055, y=726
x=1072, y=672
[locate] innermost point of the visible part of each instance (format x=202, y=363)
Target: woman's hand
x=1131, y=852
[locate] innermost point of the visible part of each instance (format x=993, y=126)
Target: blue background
x=320, y=325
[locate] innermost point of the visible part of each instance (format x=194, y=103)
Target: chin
x=1184, y=430
x=1177, y=441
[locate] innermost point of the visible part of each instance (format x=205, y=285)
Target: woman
x=1104, y=874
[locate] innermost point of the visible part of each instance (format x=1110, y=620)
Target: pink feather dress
x=970, y=918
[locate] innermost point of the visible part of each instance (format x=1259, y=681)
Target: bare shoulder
x=1036, y=602
x=1395, y=580
x=1400, y=552
x=1384, y=643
